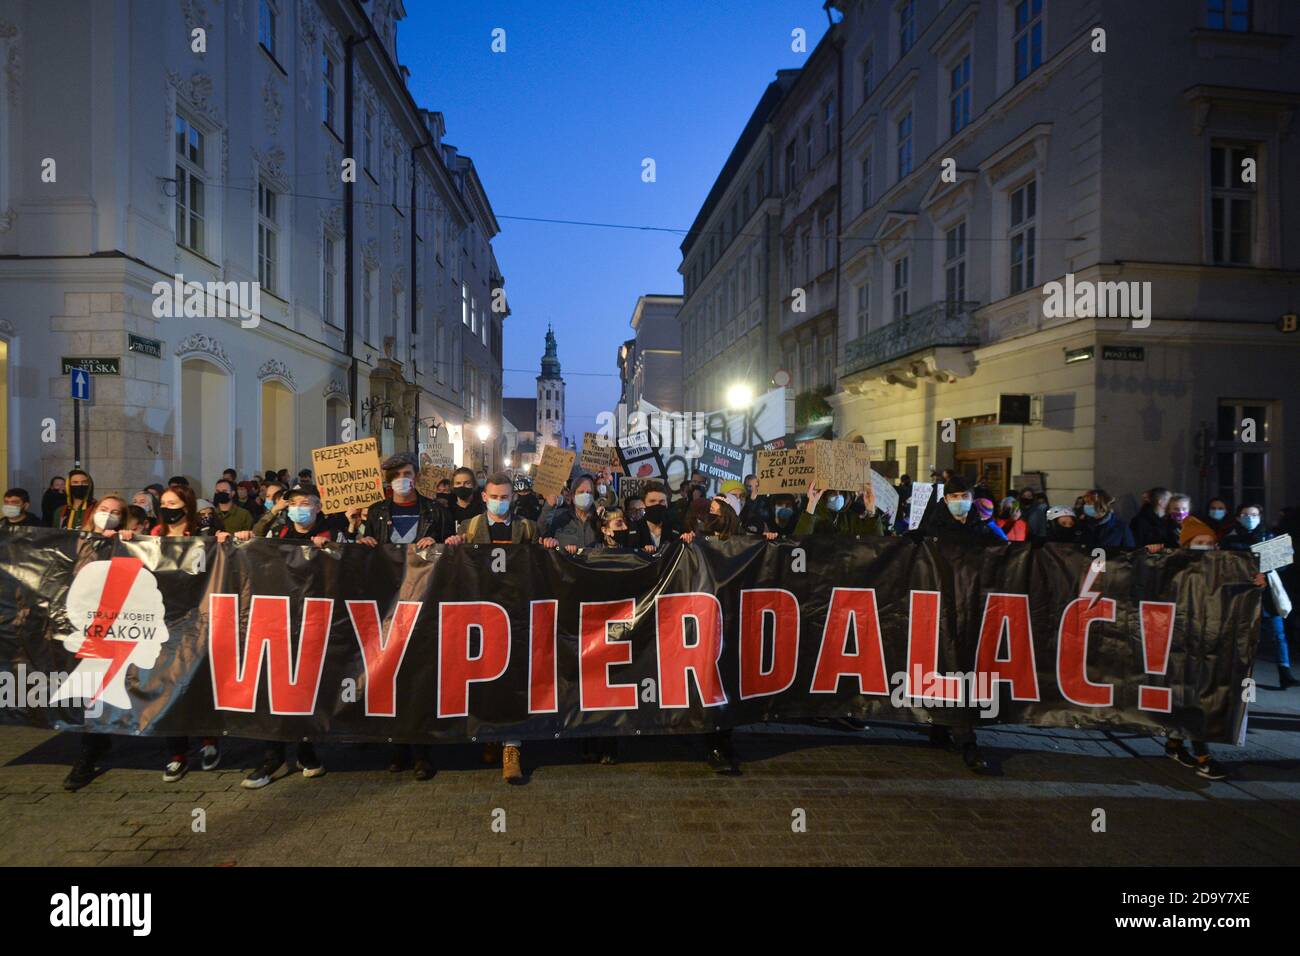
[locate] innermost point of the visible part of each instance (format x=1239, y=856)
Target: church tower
x=550, y=398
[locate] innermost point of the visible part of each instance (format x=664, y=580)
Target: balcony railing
x=943, y=324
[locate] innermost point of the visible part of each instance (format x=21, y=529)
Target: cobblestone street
x=883, y=796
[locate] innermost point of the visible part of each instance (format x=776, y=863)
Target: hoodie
x=72, y=514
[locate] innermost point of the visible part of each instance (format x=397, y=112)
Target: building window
x=866, y=76
x=959, y=96
x=473, y=315
x=267, y=17
x=464, y=305
x=954, y=264
x=329, y=90
x=329, y=279
x=807, y=253
x=828, y=243
x=807, y=147
x=866, y=181
x=791, y=172
x=905, y=145
x=827, y=369
x=1028, y=37
x=190, y=166
x=902, y=279
x=267, y=237
x=368, y=304
x=1232, y=205
x=1242, y=466
x=864, y=308
x=806, y=372
x=828, y=122
x=441, y=353
x=906, y=27
x=1024, y=207
x=1233, y=15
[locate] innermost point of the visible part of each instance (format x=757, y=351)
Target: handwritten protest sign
x=596, y=456
x=1274, y=553
x=348, y=475
x=553, y=470
x=721, y=460
x=886, y=493
x=784, y=471
x=427, y=483
x=920, y=499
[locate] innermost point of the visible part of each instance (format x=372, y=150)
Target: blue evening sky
x=558, y=126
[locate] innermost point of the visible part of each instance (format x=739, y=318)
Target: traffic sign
x=80, y=384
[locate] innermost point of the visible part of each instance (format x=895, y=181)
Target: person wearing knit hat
x=1197, y=535
x=982, y=510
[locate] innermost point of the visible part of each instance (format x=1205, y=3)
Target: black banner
x=274, y=640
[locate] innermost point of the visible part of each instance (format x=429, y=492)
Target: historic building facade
x=220, y=158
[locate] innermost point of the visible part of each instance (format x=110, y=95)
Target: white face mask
x=106, y=520
x=12, y=511
x=403, y=486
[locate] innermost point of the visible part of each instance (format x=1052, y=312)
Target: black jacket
x=434, y=522
x=528, y=506
x=1151, y=528
x=639, y=535
x=756, y=515
x=939, y=523
x=1109, y=532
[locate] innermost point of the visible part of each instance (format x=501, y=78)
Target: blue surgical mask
x=302, y=514
x=498, y=506
x=1218, y=514
x=268, y=504
x=835, y=502
x=583, y=500
x=1090, y=511
x=958, y=506
x=1249, y=522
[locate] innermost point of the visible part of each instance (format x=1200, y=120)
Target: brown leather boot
x=511, y=770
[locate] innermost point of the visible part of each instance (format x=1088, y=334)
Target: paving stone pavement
x=883, y=796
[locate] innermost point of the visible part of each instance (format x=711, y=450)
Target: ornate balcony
x=930, y=343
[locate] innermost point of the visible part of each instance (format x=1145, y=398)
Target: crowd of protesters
x=589, y=515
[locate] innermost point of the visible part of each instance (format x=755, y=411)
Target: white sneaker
x=264, y=774
x=174, y=770
x=211, y=757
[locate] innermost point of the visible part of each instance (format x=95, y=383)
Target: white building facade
x=222, y=161
x=1123, y=165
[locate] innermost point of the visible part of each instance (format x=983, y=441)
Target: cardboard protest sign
x=1274, y=553
x=596, y=454
x=626, y=487
x=784, y=471
x=720, y=460
x=427, y=483
x=348, y=475
x=835, y=464
x=639, y=459
x=553, y=470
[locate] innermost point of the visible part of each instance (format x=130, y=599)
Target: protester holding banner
x=722, y=521
x=655, y=530
x=1247, y=531
x=408, y=517
x=573, y=526
x=1063, y=526
x=1010, y=520
x=274, y=518
x=232, y=517
x=499, y=523
x=1101, y=526
x=783, y=517
x=756, y=515
x=953, y=520
x=527, y=504
x=54, y=498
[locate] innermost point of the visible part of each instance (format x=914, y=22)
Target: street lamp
x=740, y=395
x=506, y=461
x=483, y=432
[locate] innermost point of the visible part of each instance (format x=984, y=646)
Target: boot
x=512, y=770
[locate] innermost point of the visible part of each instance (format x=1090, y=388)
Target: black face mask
x=171, y=515
x=621, y=538
x=79, y=492
x=463, y=494
x=655, y=514
x=221, y=498
x=205, y=522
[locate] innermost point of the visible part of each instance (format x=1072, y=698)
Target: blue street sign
x=80, y=384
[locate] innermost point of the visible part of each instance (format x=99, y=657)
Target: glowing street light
x=484, y=432
x=506, y=462
x=740, y=395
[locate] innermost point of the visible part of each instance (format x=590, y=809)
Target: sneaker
x=210, y=753
x=308, y=762
x=1176, y=752
x=175, y=769
x=82, y=772
x=1207, y=768
x=264, y=774
x=424, y=769
x=512, y=770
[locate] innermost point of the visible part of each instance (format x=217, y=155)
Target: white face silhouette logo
x=117, y=612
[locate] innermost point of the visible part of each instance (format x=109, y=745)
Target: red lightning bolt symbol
x=117, y=585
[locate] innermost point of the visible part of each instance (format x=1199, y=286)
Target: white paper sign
x=1274, y=553
x=920, y=498
x=886, y=493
